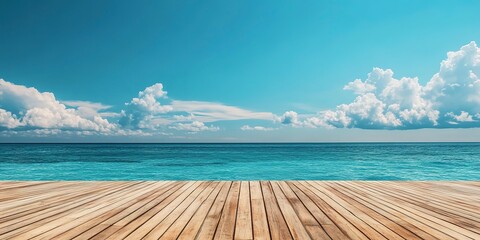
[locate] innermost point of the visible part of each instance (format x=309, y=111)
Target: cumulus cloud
x=8, y=120
x=462, y=117
x=140, y=110
x=359, y=87
x=193, y=127
x=27, y=108
x=290, y=117
x=451, y=98
x=256, y=128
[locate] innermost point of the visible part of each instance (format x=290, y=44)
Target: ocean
x=295, y=161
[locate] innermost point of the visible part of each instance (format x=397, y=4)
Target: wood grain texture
x=240, y=210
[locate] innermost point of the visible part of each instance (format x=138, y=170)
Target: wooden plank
x=313, y=227
x=259, y=215
x=94, y=225
x=210, y=223
x=441, y=201
x=98, y=205
x=226, y=226
x=375, y=213
x=395, y=211
x=146, y=222
x=67, y=223
x=355, y=219
x=297, y=229
x=278, y=227
x=58, y=197
x=347, y=227
x=22, y=224
x=193, y=226
x=182, y=213
x=11, y=186
x=131, y=222
x=418, y=228
x=199, y=205
x=450, y=212
x=62, y=197
x=330, y=227
x=27, y=196
x=440, y=224
x=243, y=226
x=362, y=214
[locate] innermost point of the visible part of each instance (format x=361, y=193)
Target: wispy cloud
x=193, y=127
x=86, y=104
x=256, y=128
x=90, y=109
x=212, y=112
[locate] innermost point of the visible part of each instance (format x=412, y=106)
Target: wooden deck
x=240, y=210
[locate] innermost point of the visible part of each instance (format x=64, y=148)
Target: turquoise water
x=346, y=161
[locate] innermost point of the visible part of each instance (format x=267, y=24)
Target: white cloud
x=89, y=109
x=148, y=99
x=385, y=102
x=86, y=104
x=256, y=128
x=359, y=87
x=290, y=117
x=28, y=108
x=140, y=110
x=193, y=127
x=212, y=112
x=45, y=132
x=8, y=120
x=189, y=117
x=462, y=117
x=456, y=87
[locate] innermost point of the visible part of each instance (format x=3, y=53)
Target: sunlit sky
x=239, y=71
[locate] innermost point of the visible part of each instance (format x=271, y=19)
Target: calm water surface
x=370, y=161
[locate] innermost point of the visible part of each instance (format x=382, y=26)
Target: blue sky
x=238, y=70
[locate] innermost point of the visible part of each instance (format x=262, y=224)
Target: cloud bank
x=27, y=108
x=450, y=99
x=27, y=111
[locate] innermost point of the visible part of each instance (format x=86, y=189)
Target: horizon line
x=333, y=142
